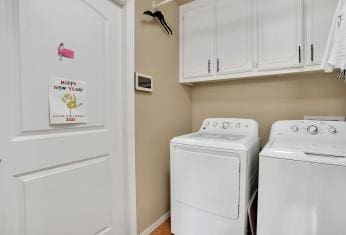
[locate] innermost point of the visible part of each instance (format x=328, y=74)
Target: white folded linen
x=335, y=53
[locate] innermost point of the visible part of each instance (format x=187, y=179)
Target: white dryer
x=213, y=173
x=302, y=179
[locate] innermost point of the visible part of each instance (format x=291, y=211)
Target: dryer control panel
x=235, y=126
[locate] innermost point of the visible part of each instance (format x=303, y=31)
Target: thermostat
x=144, y=82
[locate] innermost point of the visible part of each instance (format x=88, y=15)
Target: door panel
x=61, y=179
x=234, y=36
x=319, y=19
x=307, y=196
x=49, y=193
x=43, y=26
x=279, y=34
x=198, y=41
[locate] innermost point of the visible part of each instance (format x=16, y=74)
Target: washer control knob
x=333, y=130
x=313, y=130
x=215, y=124
x=295, y=129
x=238, y=125
x=226, y=125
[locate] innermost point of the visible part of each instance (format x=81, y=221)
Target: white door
x=234, y=36
x=60, y=179
x=319, y=19
x=279, y=34
x=197, y=41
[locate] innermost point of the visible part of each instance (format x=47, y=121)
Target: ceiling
x=180, y=2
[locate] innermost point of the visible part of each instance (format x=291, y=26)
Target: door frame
x=127, y=96
x=128, y=107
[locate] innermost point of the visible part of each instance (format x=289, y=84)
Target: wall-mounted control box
x=144, y=82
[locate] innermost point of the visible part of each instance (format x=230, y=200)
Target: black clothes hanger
x=158, y=15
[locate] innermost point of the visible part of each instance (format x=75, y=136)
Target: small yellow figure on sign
x=71, y=101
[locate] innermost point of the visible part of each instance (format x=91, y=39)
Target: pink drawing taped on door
x=64, y=52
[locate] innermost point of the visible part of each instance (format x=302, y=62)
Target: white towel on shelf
x=335, y=53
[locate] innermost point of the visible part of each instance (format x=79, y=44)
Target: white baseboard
x=156, y=224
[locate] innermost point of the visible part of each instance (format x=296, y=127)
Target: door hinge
x=218, y=65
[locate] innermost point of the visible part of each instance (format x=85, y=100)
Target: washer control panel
x=306, y=128
x=230, y=126
x=320, y=137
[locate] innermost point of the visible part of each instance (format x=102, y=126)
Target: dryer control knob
x=295, y=129
x=215, y=124
x=333, y=130
x=313, y=130
x=226, y=125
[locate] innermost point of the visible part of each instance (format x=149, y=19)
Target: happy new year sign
x=67, y=101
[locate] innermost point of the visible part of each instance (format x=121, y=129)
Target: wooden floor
x=163, y=229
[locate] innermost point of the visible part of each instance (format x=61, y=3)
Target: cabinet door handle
x=209, y=67
x=312, y=52
x=218, y=65
x=300, y=54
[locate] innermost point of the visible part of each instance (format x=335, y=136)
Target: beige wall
x=270, y=99
x=159, y=116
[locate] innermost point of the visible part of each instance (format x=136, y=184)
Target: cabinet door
x=280, y=24
x=197, y=41
x=319, y=19
x=234, y=36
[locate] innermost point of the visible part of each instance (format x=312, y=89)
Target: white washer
x=213, y=173
x=302, y=180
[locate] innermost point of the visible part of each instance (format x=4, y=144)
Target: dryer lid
x=217, y=137
x=223, y=133
x=218, y=141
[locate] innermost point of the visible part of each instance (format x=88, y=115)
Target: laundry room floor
x=163, y=229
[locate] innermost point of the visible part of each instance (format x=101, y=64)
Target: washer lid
x=308, y=151
x=332, y=147
x=307, y=140
x=217, y=140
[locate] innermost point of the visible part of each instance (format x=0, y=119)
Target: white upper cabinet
x=319, y=16
x=234, y=36
x=280, y=25
x=232, y=39
x=197, y=41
